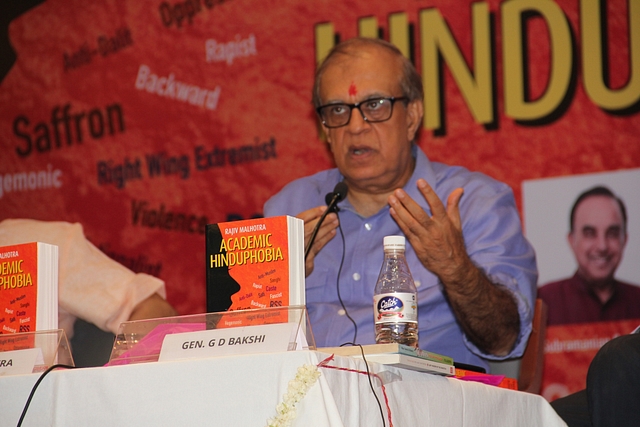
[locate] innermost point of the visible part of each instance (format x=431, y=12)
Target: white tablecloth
x=244, y=391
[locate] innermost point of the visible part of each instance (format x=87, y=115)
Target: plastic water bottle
x=395, y=300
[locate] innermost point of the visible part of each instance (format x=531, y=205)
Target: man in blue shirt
x=474, y=271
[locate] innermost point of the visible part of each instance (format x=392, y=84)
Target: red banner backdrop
x=568, y=352
x=146, y=120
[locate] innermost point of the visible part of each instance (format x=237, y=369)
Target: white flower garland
x=306, y=377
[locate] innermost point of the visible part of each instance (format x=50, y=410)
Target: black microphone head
x=337, y=195
x=340, y=190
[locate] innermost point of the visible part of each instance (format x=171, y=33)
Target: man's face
x=373, y=157
x=598, y=238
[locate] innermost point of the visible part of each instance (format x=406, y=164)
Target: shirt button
x=418, y=283
x=356, y=276
x=341, y=312
x=368, y=226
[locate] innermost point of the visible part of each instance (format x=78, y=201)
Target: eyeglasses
x=373, y=111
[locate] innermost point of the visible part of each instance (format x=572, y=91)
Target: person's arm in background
x=102, y=291
x=92, y=286
x=151, y=308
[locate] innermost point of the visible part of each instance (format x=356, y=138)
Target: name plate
x=19, y=362
x=229, y=341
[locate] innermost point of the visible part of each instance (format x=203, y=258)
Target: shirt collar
x=585, y=287
x=423, y=169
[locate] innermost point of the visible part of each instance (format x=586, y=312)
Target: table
x=244, y=391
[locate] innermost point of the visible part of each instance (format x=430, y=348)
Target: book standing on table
x=256, y=263
x=28, y=287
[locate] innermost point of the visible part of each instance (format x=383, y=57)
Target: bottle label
x=396, y=307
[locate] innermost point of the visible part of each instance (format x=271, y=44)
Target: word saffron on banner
x=67, y=126
x=169, y=87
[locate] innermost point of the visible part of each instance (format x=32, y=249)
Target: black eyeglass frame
x=391, y=99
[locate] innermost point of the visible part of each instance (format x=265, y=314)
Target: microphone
x=331, y=199
x=338, y=195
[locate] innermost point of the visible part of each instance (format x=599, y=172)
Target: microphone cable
x=344, y=307
x=35, y=386
x=366, y=364
x=339, y=193
x=355, y=325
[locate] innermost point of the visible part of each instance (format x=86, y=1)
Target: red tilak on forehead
x=353, y=91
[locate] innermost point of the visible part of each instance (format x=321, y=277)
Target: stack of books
x=399, y=355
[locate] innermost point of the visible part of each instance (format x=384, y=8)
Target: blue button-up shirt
x=492, y=234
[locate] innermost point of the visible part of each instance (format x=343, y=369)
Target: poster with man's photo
x=586, y=233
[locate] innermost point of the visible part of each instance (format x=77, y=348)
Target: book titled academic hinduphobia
x=255, y=263
x=28, y=288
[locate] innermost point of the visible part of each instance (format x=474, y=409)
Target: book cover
x=497, y=380
x=255, y=263
x=389, y=348
x=28, y=287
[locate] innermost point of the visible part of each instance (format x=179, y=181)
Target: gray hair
x=410, y=81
